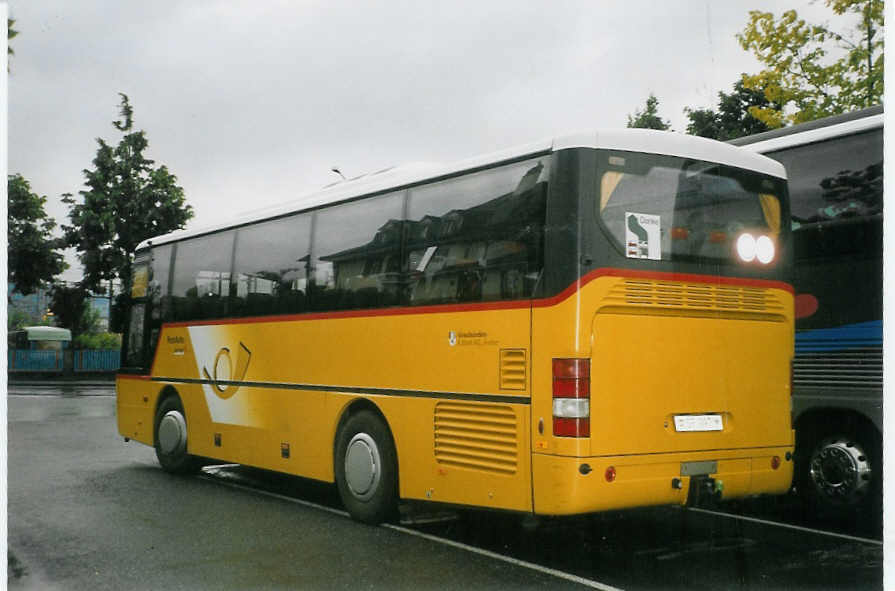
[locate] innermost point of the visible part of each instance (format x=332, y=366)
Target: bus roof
x=813, y=131
x=46, y=333
x=634, y=140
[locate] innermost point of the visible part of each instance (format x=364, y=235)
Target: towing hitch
x=704, y=491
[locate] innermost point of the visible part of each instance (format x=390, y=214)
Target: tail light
x=571, y=397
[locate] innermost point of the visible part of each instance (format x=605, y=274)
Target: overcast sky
x=251, y=103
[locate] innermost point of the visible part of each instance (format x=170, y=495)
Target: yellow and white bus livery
x=595, y=322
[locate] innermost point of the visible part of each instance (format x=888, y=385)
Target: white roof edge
x=817, y=135
x=673, y=144
x=632, y=140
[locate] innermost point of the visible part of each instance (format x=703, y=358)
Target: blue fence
x=90, y=360
x=54, y=361
x=27, y=360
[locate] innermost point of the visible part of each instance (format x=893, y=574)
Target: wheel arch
x=353, y=407
x=825, y=419
x=164, y=394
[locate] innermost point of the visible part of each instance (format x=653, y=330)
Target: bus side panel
x=270, y=394
x=135, y=408
x=464, y=471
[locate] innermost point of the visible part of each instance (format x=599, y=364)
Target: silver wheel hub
x=172, y=433
x=840, y=470
x=363, y=466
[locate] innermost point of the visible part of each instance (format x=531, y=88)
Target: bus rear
x=662, y=342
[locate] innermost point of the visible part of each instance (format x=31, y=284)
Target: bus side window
x=477, y=237
x=201, y=280
x=270, y=270
x=356, y=254
x=835, y=180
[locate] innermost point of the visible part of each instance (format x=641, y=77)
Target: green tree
x=813, y=70
x=733, y=118
x=33, y=253
x=127, y=200
x=68, y=304
x=16, y=319
x=10, y=33
x=649, y=118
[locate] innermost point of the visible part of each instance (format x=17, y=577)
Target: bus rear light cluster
x=571, y=397
x=750, y=248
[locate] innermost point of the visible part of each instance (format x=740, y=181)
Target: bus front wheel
x=171, y=438
x=366, y=468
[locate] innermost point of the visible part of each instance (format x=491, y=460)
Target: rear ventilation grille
x=476, y=436
x=512, y=369
x=694, y=297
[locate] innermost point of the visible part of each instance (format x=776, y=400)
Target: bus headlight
x=746, y=247
x=764, y=249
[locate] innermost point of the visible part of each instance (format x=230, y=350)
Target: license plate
x=698, y=423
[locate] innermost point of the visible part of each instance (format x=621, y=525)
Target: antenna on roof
x=336, y=170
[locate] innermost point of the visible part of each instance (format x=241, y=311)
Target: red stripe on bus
x=500, y=305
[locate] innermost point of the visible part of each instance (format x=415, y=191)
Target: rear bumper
x=562, y=487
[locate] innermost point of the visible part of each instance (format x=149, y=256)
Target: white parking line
x=787, y=526
x=541, y=569
x=493, y=555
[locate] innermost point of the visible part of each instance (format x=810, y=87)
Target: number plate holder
x=699, y=468
x=689, y=423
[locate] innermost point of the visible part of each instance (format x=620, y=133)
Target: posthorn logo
x=452, y=338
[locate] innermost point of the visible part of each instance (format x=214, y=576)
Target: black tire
x=366, y=468
x=172, y=454
x=839, y=472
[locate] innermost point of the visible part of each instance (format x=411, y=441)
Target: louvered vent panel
x=476, y=436
x=512, y=369
x=694, y=297
x=855, y=369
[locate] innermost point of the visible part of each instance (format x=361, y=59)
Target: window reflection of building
x=483, y=252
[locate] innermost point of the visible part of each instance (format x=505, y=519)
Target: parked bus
x=596, y=322
x=835, y=170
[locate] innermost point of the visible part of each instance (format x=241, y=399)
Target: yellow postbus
x=594, y=322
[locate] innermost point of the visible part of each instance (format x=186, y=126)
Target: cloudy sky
x=251, y=103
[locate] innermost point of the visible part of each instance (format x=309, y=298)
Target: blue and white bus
x=835, y=169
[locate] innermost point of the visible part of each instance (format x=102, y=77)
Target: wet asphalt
x=87, y=511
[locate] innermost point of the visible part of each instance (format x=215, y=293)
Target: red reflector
x=571, y=388
x=610, y=474
x=717, y=237
x=563, y=427
x=775, y=462
x=680, y=233
x=571, y=368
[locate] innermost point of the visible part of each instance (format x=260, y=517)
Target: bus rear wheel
x=366, y=468
x=839, y=474
x=171, y=438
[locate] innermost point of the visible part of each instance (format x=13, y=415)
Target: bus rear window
x=667, y=208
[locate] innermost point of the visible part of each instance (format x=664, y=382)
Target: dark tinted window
x=478, y=237
x=837, y=179
x=200, y=284
x=270, y=273
x=159, y=302
x=664, y=207
x=134, y=346
x=356, y=254
x=161, y=270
